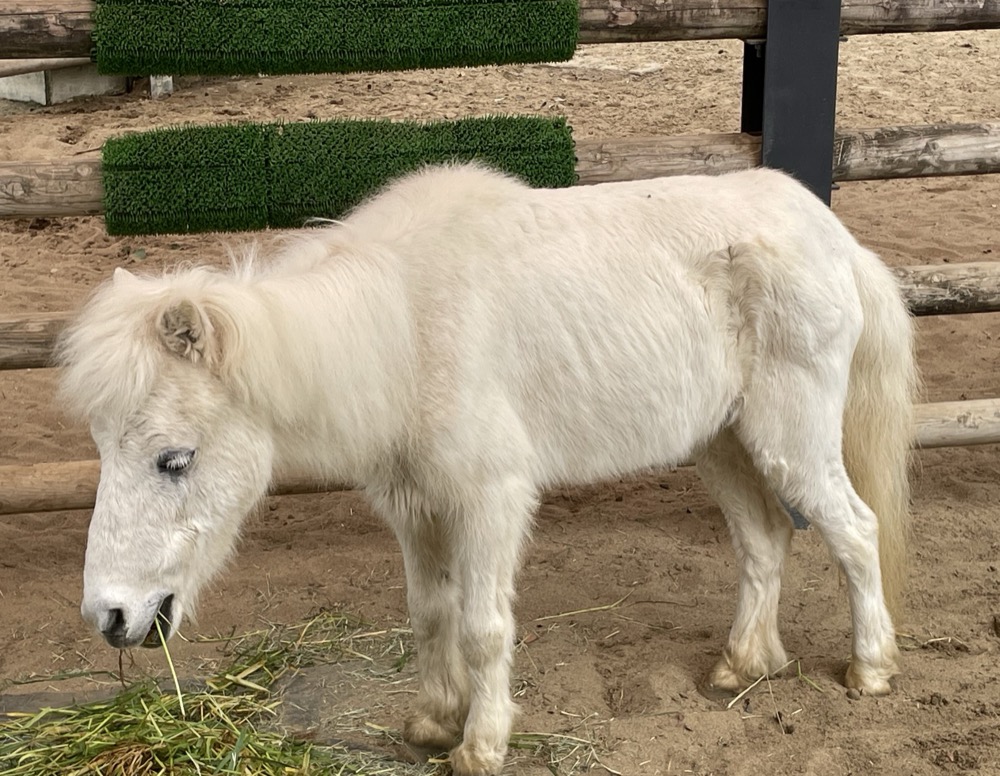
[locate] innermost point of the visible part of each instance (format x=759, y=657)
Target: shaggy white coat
x=462, y=342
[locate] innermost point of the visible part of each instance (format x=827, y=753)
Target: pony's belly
x=628, y=437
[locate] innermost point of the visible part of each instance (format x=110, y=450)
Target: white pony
x=462, y=342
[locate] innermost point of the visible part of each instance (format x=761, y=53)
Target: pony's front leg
x=434, y=600
x=488, y=543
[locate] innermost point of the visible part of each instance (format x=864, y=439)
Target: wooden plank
x=950, y=289
x=621, y=21
x=618, y=21
x=49, y=189
x=27, y=341
x=73, y=188
x=637, y=158
x=63, y=28
x=35, y=29
x=958, y=423
x=865, y=17
x=917, y=151
x=48, y=487
x=22, y=66
x=70, y=485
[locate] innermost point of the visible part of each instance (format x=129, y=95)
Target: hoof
x=714, y=692
x=470, y=760
x=869, y=680
x=422, y=731
x=724, y=681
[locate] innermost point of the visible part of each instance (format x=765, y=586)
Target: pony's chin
x=164, y=618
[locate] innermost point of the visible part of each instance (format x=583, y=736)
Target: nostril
x=159, y=631
x=115, y=622
x=163, y=614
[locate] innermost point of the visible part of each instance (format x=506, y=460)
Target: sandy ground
x=623, y=676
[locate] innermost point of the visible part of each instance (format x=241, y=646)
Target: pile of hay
x=228, y=725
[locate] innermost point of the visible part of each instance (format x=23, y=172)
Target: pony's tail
x=878, y=418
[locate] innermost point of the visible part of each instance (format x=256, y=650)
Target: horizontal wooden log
x=74, y=188
x=873, y=17
x=22, y=66
x=38, y=29
x=859, y=154
x=63, y=28
x=27, y=341
x=52, y=487
x=623, y=21
x=625, y=159
x=950, y=289
x=618, y=21
x=50, y=189
x=917, y=151
x=958, y=423
x=48, y=487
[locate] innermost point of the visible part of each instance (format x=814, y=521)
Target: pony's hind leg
x=434, y=602
x=761, y=531
x=798, y=449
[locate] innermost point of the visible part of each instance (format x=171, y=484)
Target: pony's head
x=150, y=364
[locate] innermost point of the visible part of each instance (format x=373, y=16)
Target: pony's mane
x=111, y=353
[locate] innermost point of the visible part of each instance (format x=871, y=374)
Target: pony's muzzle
x=122, y=631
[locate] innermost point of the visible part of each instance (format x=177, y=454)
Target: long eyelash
x=179, y=461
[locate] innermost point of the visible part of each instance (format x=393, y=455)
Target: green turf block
x=188, y=179
x=248, y=37
x=251, y=176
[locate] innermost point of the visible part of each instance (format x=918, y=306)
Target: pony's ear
x=122, y=277
x=187, y=331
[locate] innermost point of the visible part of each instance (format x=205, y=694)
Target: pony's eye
x=174, y=461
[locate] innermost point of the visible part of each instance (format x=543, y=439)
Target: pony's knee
x=431, y=618
x=483, y=648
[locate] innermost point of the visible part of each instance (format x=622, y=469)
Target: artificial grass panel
x=250, y=176
x=248, y=37
x=191, y=179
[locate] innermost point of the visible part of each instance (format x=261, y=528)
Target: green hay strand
x=231, y=725
x=142, y=731
x=246, y=177
x=224, y=728
x=250, y=37
x=170, y=664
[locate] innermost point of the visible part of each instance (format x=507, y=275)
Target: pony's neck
x=329, y=362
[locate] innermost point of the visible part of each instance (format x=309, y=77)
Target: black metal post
x=752, y=102
x=797, y=95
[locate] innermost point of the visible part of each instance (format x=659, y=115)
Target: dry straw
x=228, y=725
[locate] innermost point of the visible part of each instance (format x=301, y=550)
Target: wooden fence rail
x=27, y=341
x=64, y=28
x=73, y=187
x=11, y=67
x=35, y=29
x=51, y=487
